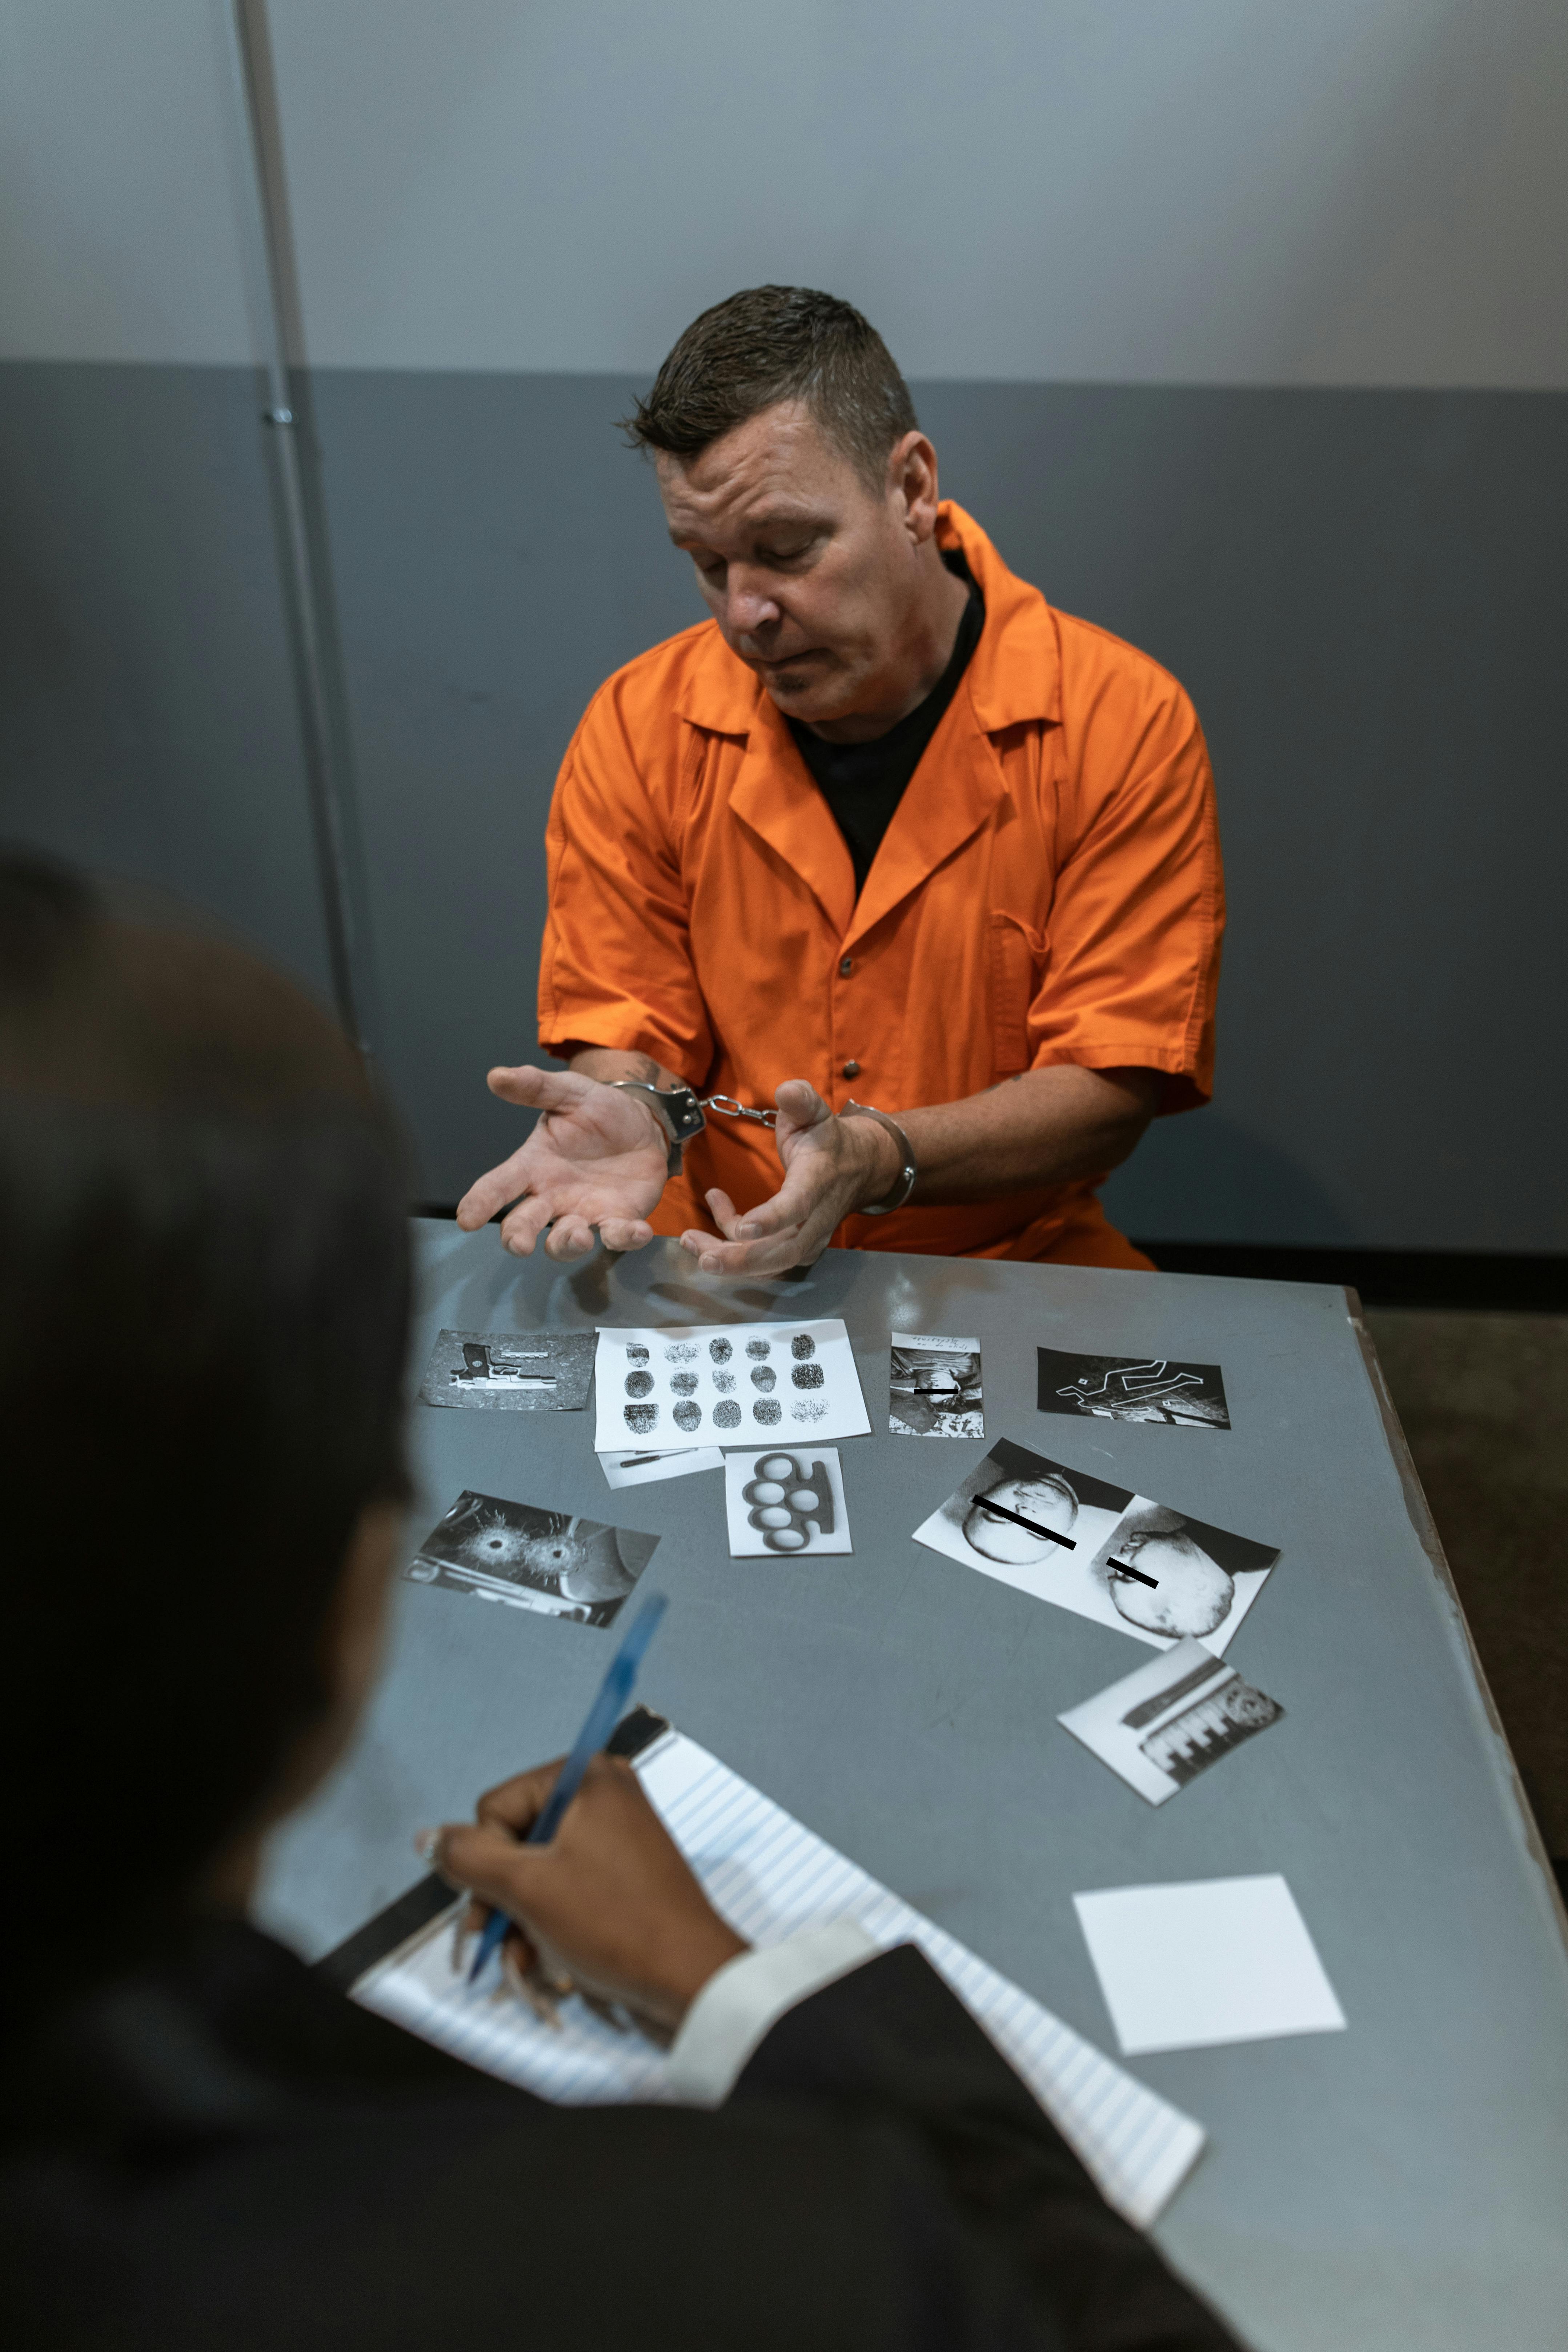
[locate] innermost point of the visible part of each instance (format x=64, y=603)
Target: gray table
x=1401, y=2185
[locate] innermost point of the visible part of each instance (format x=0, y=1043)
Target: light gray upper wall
x=118, y=224
x=1226, y=192
x=1360, y=192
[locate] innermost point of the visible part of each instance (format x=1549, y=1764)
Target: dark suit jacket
x=222, y=2153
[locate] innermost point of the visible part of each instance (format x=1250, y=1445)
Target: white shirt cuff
x=746, y=1998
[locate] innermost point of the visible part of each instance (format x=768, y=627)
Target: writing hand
x=610, y=1901
x=832, y=1167
x=596, y=1160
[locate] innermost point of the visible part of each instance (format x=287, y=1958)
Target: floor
x=1484, y=1403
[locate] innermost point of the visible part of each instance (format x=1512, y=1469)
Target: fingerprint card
x=785, y=1502
x=556, y=1564
x=726, y=1384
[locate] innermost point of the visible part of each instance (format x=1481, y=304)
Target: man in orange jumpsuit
x=886, y=831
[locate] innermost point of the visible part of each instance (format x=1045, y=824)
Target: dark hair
x=204, y=1261
x=772, y=343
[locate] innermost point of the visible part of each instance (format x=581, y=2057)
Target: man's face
x=812, y=577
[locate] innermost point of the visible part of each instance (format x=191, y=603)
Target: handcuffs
x=682, y=1112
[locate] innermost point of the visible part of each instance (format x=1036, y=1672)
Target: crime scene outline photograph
x=1155, y=1388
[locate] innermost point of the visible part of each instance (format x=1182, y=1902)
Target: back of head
x=772, y=343
x=203, y=1258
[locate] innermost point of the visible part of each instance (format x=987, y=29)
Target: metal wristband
x=677, y=1108
x=908, y=1173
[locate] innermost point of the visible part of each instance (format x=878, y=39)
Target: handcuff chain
x=731, y=1109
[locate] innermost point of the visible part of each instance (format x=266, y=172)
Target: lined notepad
x=771, y=1879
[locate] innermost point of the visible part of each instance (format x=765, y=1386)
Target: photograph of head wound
x=1071, y=1538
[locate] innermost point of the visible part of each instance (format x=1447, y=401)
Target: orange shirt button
x=846, y=967
x=851, y=1070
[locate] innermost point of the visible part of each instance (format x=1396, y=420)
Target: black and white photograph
x=1166, y=1722
x=510, y=1371
x=554, y=1562
x=726, y=1384
x=632, y=1468
x=1031, y=1523
x=1067, y=1536
x=934, y=1386
x=785, y=1502
x=1131, y=1388
x=1168, y=1576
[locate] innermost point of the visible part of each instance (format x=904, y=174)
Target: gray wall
x=1306, y=266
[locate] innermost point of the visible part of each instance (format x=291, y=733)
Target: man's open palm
x=596, y=1160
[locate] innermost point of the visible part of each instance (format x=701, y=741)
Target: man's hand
x=597, y=1159
x=609, y=1902
x=832, y=1167
x=1042, y=1127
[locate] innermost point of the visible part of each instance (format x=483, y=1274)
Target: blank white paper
x=1210, y=1960
x=772, y=1879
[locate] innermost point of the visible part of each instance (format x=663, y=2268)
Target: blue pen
x=602, y=1718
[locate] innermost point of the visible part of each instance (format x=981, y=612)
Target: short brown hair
x=772, y=343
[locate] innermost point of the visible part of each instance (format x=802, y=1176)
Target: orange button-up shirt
x=1048, y=891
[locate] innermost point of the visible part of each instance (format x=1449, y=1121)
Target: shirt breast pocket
x=1018, y=966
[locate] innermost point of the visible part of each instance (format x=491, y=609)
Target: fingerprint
x=684, y=1384
x=808, y=1376
x=724, y=1382
x=763, y=1377
x=803, y=1345
x=727, y=1415
x=688, y=1417
x=767, y=1409
x=639, y=1383
x=681, y=1352
x=808, y=1408
x=641, y=1418
x=721, y=1350
x=758, y=1348
x=635, y=1354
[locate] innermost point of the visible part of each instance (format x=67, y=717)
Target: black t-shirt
x=864, y=782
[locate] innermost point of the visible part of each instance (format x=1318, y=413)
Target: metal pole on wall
x=300, y=514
